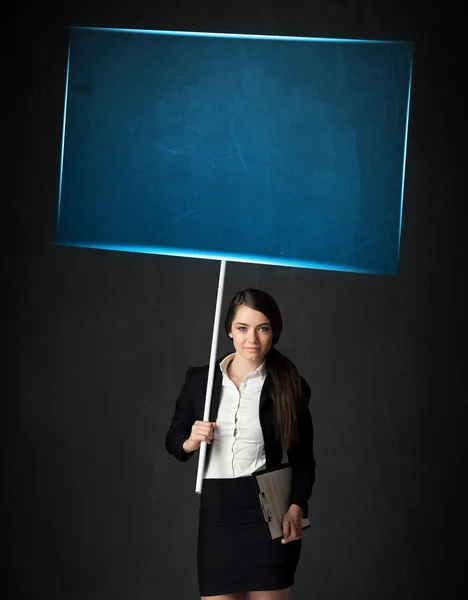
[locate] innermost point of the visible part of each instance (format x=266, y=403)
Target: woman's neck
x=240, y=368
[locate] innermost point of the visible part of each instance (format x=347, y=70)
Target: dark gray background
x=95, y=507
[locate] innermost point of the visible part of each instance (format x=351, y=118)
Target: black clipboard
x=274, y=489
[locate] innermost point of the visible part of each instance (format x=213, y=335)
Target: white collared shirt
x=238, y=447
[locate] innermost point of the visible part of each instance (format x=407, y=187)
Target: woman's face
x=251, y=334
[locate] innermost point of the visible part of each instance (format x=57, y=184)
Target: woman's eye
x=265, y=329
x=242, y=328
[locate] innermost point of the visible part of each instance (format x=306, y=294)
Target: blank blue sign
x=275, y=150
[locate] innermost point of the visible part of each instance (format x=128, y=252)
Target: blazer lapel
x=265, y=394
x=216, y=394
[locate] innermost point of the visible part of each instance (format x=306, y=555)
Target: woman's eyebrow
x=246, y=325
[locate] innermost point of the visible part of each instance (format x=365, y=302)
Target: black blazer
x=190, y=407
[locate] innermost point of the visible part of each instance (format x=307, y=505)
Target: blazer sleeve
x=182, y=420
x=301, y=455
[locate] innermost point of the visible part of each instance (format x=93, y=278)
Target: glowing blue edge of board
x=63, y=135
x=404, y=156
x=247, y=36
x=242, y=258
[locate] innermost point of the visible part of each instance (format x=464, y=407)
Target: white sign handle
x=209, y=387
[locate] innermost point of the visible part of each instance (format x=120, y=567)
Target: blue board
x=274, y=150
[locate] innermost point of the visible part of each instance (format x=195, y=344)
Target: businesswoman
x=259, y=409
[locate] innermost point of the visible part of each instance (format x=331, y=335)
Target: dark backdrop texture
x=95, y=507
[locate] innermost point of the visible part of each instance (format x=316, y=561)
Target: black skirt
x=235, y=550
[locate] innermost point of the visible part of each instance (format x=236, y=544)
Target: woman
x=259, y=408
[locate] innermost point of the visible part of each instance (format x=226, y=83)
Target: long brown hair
x=286, y=388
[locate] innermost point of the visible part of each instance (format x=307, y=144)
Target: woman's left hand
x=292, y=524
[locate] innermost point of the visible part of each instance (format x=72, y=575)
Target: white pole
x=209, y=387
